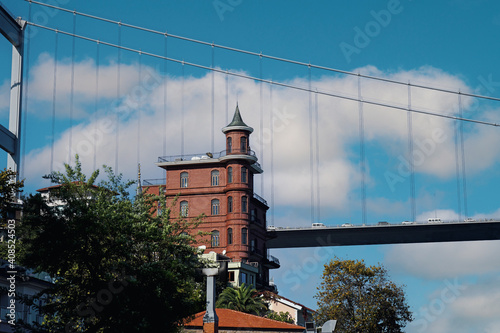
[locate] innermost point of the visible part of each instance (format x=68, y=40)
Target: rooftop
x=231, y=319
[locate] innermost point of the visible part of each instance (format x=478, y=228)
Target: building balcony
x=206, y=156
x=271, y=262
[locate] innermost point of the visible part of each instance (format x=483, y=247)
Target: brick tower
x=221, y=186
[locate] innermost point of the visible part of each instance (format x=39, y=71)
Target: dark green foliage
x=117, y=267
x=361, y=298
x=281, y=316
x=244, y=299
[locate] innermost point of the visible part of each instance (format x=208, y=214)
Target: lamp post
x=210, y=319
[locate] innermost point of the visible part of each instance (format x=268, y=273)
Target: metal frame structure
x=10, y=138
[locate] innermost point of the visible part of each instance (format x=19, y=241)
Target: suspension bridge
x=103, y=138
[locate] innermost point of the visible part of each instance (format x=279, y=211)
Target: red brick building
x=221, y=186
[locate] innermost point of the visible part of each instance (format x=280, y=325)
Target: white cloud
x=460, y=307
x=289, y=120
x=444, y=260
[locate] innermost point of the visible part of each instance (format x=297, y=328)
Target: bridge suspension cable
x=409, y=121
x=54, y=99
x=281, y=84
x=228, y=48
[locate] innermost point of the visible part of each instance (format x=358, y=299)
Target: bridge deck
x=383, y=234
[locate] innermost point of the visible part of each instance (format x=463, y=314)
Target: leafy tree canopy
x=281, y=316
x=117, y=266
x=9, y=188
x=244, y=299
x=361, y=298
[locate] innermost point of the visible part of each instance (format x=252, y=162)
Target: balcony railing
x=273, y=259
x=206, y=156
x=152, y=182
x=261, y=199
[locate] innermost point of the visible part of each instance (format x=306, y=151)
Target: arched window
x=244, y=236
x=244, y=204
x=215, y=207
x=215, y=239
x=229, y=145
x=184, y=179
x=230, y=174
x=244, y=174
x=229, y=204
x=215, y=177
x=243, y=142
x=229, y=236
x=184, y=208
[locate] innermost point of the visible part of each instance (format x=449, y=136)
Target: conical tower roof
x=237, y=124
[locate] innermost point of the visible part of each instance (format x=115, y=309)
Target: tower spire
x=237, y=123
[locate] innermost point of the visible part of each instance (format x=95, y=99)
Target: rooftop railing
x=205, y=156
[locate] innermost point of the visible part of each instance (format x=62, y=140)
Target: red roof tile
x=235, y=319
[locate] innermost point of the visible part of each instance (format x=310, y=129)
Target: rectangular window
x=215, y=207
x=244, y=236
x=215, y=177
x=231, y=276
x=243, y=146
x=184, y=179
x=243, y=278
x=230, y=204
x=215, y=238
x=244, y=204
x=244, y=173
x=184, y=208
x=230, y=175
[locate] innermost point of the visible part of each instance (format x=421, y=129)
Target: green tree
x=244, y=299
x=281, y=316
x=361, y=298
x=117, y=266
x=9, y=188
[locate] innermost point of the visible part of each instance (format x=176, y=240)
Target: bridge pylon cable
x=362, y=152
x=27, y=42
x=257, y=54
x=54, y=102
x=96, y=106
x=462, y=148
x=118, y=94
x=286, y=85
x=72, y=91
x=409, y=120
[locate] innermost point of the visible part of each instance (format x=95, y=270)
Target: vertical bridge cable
x=227, y=98
x=457, y=170
x=261, y=131
x=182, y=111
x=117, y=133
x=26, y=93
x=311, y=149
x=96, y=103
x=165, y=92
x=212, y=129
x=54, y=89
x=271, y=120
x=362, y=152
x=410, y=157
x=139, y=109
x=464, y=182
x=72, y=94
x=316, y=114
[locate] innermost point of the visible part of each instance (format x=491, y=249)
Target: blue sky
x=452, y=45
